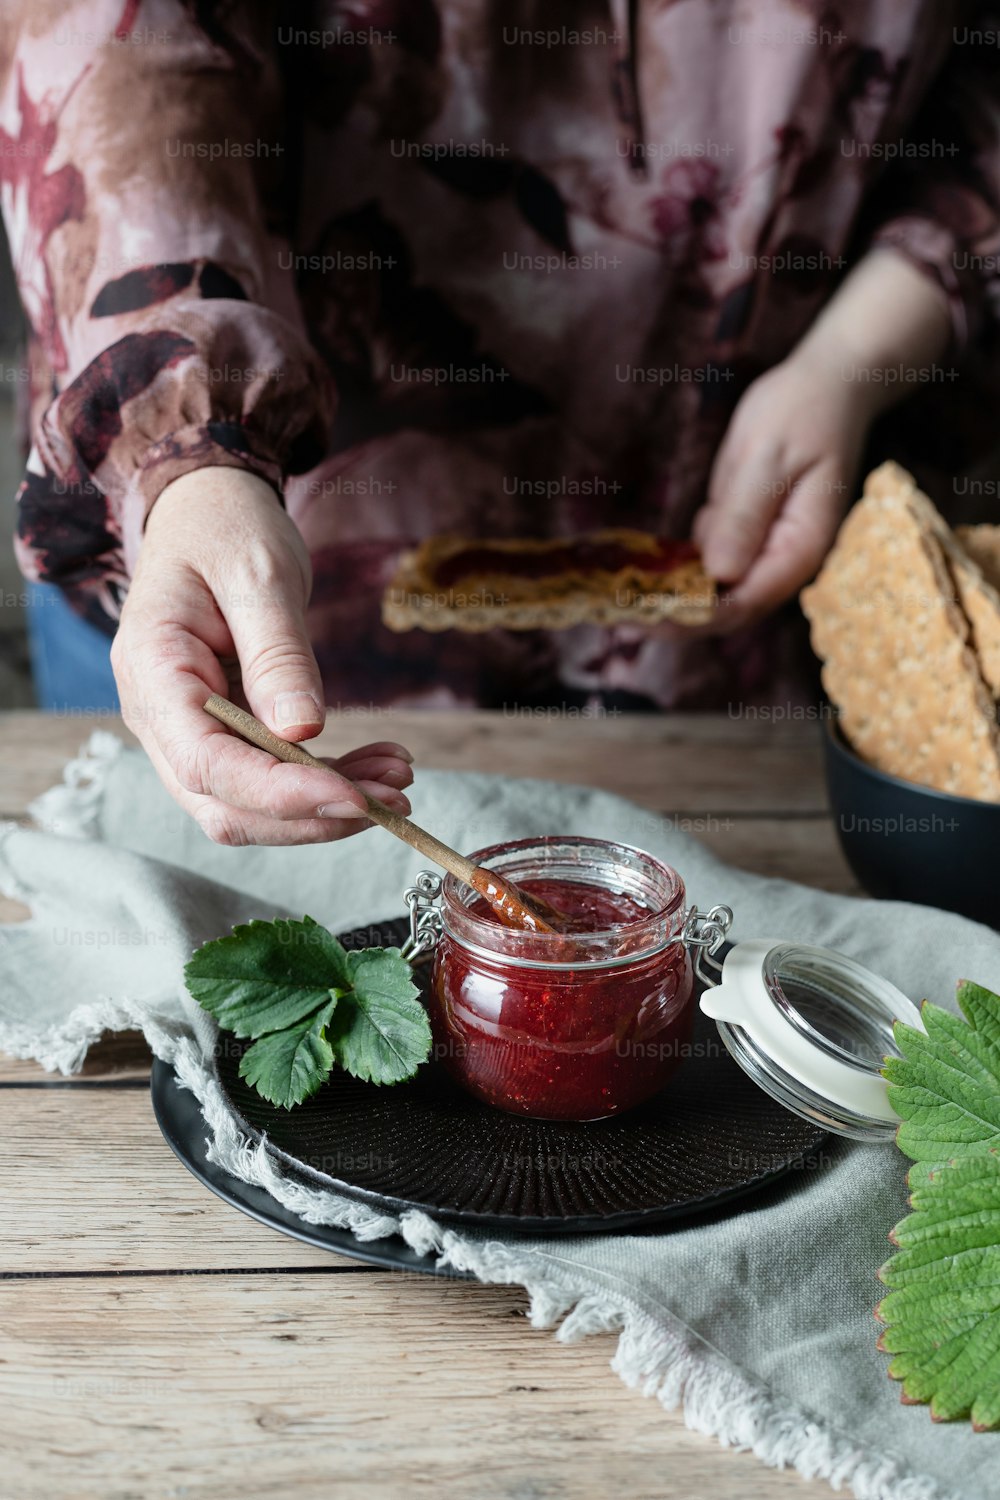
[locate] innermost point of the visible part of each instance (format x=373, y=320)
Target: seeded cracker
x=974, y=590
x=982, y=543
x=978, y=576
x=895, y=645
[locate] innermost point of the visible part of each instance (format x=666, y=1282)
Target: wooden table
x=156, y=1343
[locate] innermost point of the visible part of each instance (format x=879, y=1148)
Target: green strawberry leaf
x=942, y=1310
x=266, y=976
x=945, y=1087
x=380, y=1032
x=309, y=1003
x=287, y=1066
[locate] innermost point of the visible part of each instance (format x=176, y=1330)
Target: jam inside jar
x=576, y=1025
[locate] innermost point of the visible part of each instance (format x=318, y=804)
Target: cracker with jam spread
x=611, y=577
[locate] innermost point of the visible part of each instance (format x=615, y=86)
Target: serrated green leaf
x=380, y=1032
x=309, y=1002
x=287, y=1066
x=978, y=1006
x=946, y=1085
x=971, y=1055
x=967, y=1169
x=968, y=1174
x=266, y=976
x=942, y=1310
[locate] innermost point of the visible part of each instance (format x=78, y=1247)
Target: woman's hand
x=780, y=486
x=784, y=475
x=223, y=580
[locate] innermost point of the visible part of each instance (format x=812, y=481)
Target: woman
x=407, y=266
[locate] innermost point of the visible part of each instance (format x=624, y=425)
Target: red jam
x=557, y=1042
x=572, y=557
x=583, y=908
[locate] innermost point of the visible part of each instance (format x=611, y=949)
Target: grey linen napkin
x=760, y=1324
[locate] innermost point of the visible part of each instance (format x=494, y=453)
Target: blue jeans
x=70, y=658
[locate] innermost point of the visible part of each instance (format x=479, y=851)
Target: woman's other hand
x=785, y=472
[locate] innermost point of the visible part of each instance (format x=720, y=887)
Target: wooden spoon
x=511, y=906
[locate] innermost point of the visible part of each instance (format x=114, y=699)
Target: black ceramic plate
x=710, y=1137
x=182, y=1124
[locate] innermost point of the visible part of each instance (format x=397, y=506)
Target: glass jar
x=574, y=1025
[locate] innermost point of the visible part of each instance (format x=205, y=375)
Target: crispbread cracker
x=983, y=545
x=978, y=576
x=975, y=593
x=895, y=644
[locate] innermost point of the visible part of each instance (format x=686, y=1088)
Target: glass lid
x=813, y=1028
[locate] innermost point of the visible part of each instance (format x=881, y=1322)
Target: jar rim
x=647, y=936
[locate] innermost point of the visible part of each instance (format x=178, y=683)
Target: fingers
x=770, y=582
x=278, y=669
x=796, y=546
x=384, y=769
x=743, y=500
x=385, y=762
x=209, y=761
x=397, y=800
x=237, y=828
x=383, y=747
x=206, y=761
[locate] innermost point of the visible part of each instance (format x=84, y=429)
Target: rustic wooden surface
x=156, y=1343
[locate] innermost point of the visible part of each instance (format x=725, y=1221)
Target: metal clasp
x=425, y=917
x=707, y=931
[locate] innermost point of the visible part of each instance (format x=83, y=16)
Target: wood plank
x=382, y=1385
x=34, y=747
x=117, y=1058
x=802, y=849
x=688, y=762
x=90, y=1185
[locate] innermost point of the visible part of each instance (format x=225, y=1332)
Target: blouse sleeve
x=141, y=160
x=939, y=202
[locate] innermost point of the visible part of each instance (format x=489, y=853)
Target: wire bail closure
x=425, y=917
x=706, y=931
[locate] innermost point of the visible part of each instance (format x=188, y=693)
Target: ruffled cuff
x=223, y=385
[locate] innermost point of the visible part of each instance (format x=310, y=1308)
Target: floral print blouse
x=479, y=266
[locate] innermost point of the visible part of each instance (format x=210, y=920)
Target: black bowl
x=910, y=843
